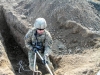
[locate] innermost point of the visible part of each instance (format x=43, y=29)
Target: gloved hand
x=34, y=49
x=44, y=61
x=47, y=55
x=38, y=47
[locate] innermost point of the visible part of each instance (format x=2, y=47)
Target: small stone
x=98, y=73
x=23, y=17
x=29, y=24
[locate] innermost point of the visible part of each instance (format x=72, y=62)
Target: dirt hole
x=14, y=51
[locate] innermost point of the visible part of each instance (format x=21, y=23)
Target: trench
x=14, y=51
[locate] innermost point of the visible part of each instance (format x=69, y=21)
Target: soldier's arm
x=28, y=40
x=48, y=44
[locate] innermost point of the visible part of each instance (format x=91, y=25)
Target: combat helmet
x=40, y=23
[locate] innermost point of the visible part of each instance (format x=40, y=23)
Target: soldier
x=44, y=40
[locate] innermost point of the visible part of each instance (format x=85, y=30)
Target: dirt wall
x=66, y=40
x=17, y=26
x=5, y=64
x=57, y=13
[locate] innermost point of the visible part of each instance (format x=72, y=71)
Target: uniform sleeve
x=48, y=44
x=28, y=40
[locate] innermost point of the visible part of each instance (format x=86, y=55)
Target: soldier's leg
x=31, y=60
x=48, y=62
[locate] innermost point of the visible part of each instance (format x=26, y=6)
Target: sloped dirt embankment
x=69, y=64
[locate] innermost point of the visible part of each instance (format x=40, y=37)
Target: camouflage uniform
x=46, y=41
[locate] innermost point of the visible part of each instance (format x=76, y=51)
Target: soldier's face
x=40, y=31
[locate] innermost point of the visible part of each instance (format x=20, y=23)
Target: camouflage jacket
x=45, y=39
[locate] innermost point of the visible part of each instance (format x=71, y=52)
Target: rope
x=21, y=67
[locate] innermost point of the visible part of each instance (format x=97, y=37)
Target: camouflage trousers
x=31, y=60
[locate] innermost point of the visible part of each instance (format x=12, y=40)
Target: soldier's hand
x=47, y=54
x=34, y=49
x=44, y=61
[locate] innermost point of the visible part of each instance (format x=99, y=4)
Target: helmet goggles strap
x=39, y=29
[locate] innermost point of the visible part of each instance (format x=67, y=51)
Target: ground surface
x=87, y=63
x=5, y=65
x=76, y=45
x=57, y=15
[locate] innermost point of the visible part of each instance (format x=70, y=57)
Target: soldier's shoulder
x=31, y=30
x=47, y=32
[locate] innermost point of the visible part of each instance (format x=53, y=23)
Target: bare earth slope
x=74, y=26
x=87, y=63
x=58, y=13
x=5, y=65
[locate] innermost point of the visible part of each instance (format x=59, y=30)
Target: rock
x=59, y=45
x=98, y=73
x=23, y=17
x=78, y=28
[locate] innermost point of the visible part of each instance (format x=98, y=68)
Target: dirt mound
x=57, y=13
x=96, y=5
x=5, y=65
x=87, y=63
x=73, y=25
